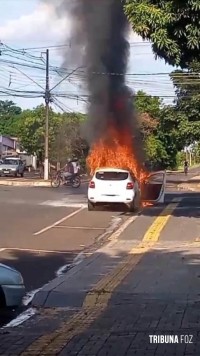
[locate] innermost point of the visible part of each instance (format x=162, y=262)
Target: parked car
x=12, y=167
x=113, y=185
x=12, y=289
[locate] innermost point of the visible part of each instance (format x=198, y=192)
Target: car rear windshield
x=112, y=175
x=12, y=162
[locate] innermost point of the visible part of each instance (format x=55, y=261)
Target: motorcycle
x=59, y=178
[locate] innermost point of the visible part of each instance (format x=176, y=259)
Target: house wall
x=6, y=144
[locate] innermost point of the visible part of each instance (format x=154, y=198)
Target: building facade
x=7, y=145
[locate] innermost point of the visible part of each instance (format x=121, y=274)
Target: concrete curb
x=16, y=183
x=24, y=183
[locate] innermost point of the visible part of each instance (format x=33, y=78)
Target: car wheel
x=2, y=299
x=16, y=175
x=138, y=204
x=22, y=174
x=91, y=206
x=132, y=208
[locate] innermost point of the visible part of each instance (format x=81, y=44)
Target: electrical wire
x=70, y=44
x=21, y=69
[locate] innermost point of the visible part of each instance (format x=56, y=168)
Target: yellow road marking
x=152, y=235
x=97, y=299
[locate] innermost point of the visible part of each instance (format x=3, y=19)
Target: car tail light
x=92, y=185
x=129, y=185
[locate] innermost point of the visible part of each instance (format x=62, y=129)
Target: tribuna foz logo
x=171, y=339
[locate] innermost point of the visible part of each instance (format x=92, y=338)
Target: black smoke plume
x=99, y=44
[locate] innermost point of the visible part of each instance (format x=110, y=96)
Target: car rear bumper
x=13, y=294
x=107, y=199
x=8, y=174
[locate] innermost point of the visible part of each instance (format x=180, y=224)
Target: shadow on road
x=37, y=268
x=160, y=296
x=153, y=293
x=188, y=205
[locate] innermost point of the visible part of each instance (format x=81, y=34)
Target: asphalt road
x=175, y=178
x=44, y=229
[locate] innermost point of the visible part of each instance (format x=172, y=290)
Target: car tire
x=132, y=208
x=138, y=204
x=16, y=175
x=91, y=206
x=22, y=174
x=2, y=299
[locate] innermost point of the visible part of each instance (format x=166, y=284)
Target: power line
x=34, y=65
x=61, y=105
x=70, y=44
x=76, y=74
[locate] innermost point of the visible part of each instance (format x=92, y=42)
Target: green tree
x=65, y=138
x=172, y=26
x=145, y=103
x=155, y=151
x=31, y=130
x=170, y=133
x=9, y=116
x=148, y=110
x=187, y=103
x=187, y=88
x=69, y=141
x=148, y=125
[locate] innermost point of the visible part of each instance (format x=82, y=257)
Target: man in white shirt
x=76, y=166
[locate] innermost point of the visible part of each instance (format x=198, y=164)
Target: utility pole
x=47, y=101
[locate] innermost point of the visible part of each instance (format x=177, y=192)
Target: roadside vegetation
x=166, y=129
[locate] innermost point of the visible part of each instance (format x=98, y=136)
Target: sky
x=29, y=24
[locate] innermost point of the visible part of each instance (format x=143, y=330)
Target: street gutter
x=30, y=183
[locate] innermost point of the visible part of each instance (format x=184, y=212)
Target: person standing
x=186, y=165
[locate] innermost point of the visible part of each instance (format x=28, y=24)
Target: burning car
x=112, y=185
x=119, y=186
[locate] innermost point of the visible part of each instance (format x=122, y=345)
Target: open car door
x=153, y=189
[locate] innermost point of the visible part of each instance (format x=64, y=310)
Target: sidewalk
x=31, y=182
x=113, y=302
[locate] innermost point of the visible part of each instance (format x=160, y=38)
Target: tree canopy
x=9, y=115
x=187, y=102
x=165, y=129
x=64, y=134
x=31, y=130
x=145, y=103
x=172, y=26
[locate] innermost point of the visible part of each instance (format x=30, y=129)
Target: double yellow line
x=98, y=298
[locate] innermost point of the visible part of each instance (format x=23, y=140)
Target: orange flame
x=146, y=204
x=115, y=150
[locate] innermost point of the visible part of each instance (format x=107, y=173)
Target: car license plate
x=5, y=172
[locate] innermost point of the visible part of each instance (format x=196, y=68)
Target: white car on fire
x=114, y=186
